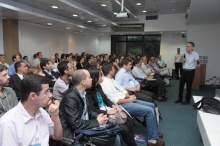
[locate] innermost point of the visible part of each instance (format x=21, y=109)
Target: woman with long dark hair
x=99, y=103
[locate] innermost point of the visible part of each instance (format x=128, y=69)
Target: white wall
x=104, y=44
x=168, y=47
x=34, y=39
x=168, y=22
x=1, y=38
x=207, y=41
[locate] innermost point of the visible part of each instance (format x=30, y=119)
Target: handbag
x=103, y=135
x=209, y=105
x=120, y=117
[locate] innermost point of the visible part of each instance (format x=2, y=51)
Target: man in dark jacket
x=74, y=112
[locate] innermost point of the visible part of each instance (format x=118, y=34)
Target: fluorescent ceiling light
x=89, y=21
x=49, y=24
x=183, y=32
x=54, y=7
x=75, y=15
x=104, y=25
x=103, y=5
x=67, y=28
x=138, y=4
x=144, y=11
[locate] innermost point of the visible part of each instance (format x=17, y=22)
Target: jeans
x=146, y=110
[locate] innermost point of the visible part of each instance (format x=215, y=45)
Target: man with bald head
x=74, y=113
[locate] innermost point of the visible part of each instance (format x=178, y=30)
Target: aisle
x=179, y=124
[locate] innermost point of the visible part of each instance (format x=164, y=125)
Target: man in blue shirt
x=127, y=81
x=11, y=69
x=190, y=62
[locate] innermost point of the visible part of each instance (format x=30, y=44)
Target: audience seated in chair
x=8, y=98
x=118, y=95
x=11, y=69
x=28, y=122
x=99, y=103
x=138, y=72
x=47, y=70
x=127, y=81
x=74, y=112
x=15, y=80
x=62, y=84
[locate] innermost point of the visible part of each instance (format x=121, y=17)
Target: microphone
x=184, y=56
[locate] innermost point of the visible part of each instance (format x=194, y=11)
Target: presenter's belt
x=189, y=69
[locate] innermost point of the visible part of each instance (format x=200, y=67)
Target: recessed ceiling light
x=89, y=21
x=144, y=11
x=174, y=9
x=103, y=5
x=75, y=15
x=104, y=25
x=54, y=7
x=49, y=24
x=67, y=28
x=138, y=4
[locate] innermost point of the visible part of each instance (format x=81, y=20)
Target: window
x=136, y=44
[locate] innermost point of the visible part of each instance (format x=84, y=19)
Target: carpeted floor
x=179, y=124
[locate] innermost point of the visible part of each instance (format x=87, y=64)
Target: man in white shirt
x=53, y=64
x=178, y=63
x=2, y=60
x=28, y=123
x=190, y=62
x=118, y=95
x=138, y=72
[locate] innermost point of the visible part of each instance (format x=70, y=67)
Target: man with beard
x=8, y=98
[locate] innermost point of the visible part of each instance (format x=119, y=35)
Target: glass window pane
x=119, y=48
x=116, y=38
x=135, y=38
x=152, y=38
x=151, y=49
x=134, y=48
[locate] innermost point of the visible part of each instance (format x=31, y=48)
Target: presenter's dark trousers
x=178, y=67
x=186, y=77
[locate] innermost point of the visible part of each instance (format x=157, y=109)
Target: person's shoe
x=185, y=102
x=178, y=101
x=161, y=99
x=160, y=135
x=158, y=143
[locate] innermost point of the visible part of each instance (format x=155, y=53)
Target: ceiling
x=40, y=12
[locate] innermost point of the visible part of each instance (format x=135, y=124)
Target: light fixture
x=182, y=32
x=103, y=5
x=67, y=28
x=81, y=31
x=49, y=24
x=54, y=7
x=115, y=13
x=103, y=25
x=174, y=9
x=121, y=34
x=144, y=11
x=138, y=4
x=89, y=21
x=75, y=15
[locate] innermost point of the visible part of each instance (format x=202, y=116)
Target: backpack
x=208, y=105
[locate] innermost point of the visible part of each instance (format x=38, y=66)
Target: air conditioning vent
x=155, y=17
x=129, y=27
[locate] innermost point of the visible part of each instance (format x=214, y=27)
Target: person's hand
x=116, y=107
x=132, y=98
x=53, y=108
x=102, y=119
x=112, y=111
